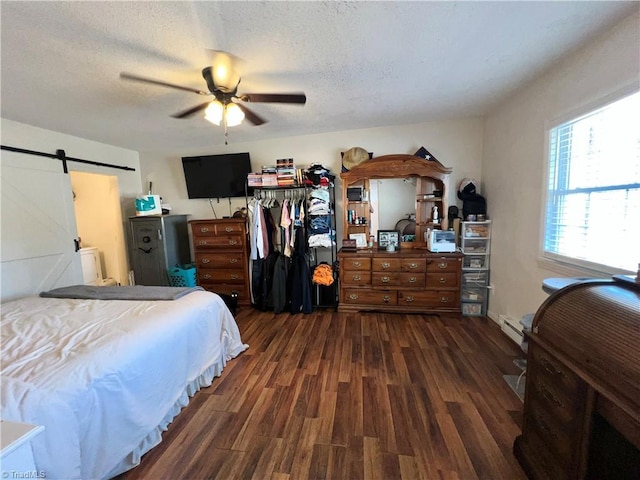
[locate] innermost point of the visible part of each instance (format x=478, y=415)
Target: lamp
x=231, y=113
x=224, y=77
x=214, y=112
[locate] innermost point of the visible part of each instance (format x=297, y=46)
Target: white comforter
x=106, y=376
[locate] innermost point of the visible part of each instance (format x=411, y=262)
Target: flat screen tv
x=217, y=176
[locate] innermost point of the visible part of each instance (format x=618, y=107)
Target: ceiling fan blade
x=191, y=111
x=136, y=78
x=251, y=115
x=299, y=98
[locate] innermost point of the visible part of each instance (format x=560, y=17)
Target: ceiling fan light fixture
x=214, y=112
x=234, y=115
x=224, y=77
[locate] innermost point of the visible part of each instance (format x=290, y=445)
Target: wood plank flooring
x=351, y=396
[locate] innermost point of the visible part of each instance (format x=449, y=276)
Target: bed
x=106, y=377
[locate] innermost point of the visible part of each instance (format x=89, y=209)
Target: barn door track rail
x=62, y=156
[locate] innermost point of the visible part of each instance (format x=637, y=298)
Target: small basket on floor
x=183, y=275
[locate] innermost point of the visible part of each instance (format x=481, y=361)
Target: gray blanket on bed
x=137, y=292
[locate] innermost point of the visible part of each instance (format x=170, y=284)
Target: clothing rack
x=273, y=197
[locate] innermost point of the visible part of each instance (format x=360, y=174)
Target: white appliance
x=91, y=268
x=441, y=241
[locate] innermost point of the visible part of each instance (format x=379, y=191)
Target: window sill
x=571, y=270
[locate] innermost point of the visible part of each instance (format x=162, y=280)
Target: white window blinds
x=593, y=198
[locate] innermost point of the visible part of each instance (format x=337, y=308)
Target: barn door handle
x=76, y=244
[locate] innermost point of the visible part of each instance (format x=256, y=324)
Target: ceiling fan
x=227, y=106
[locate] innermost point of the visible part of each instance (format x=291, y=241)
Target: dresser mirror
x=406, y=184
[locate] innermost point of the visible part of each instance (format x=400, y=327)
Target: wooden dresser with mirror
x=411, y=279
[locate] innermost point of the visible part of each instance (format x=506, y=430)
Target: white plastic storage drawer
x=475, y=278
x=472, y=309
x=473, y=294
x=478, y=245
x=475, y=261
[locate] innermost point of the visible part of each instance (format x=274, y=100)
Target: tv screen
x=217, y=176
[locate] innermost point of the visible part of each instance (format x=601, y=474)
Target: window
x=592, y=216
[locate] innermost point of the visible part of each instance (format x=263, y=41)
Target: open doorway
x=96, y=201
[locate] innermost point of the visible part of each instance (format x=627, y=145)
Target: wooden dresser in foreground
x=408, y=280
x=221, y=256
x=582, y=402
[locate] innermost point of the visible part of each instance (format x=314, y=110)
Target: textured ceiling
x=361, y=64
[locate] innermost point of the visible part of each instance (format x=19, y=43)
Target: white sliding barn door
x=38, y=226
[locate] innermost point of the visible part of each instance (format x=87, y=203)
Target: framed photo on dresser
x=388, y=237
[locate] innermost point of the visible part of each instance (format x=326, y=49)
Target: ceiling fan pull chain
x=226, y=129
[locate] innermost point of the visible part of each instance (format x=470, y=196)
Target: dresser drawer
x=442, y=280
x=210, y=275
x=216, y=260
x=214, y=229
x=223, y=241
x=386, y=264
x=358, y=264
x=413, y=265
x=357, y=278
x=443, y=264
x=369, y=297
x=411, y=280
x=385, y=279
x=429, y=298
x=559, y=440
x=565, y=408
x=228, y=289
x=553, y=372
x=546, y=465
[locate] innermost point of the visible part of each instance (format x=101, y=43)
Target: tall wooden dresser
x=221, y=255
x=582, y=402
x=409, y=280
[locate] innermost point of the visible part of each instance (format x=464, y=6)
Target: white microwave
x=441, y=241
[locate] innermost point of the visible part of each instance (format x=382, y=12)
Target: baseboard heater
x=510, y=327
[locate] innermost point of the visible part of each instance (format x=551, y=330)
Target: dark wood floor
x=351, y=396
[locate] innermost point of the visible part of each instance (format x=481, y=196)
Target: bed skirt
x=155, y=436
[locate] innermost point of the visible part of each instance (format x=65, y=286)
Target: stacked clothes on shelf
x=320, y=210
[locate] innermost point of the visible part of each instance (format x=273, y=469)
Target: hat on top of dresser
x=354, y=157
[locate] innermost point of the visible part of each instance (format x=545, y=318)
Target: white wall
x=514, y=160
x=456, y=143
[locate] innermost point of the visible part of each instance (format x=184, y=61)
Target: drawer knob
x=232, y=242
x=386, y=299
x=356, y=264
x=413, y=265
x=385, y=279
x=204, y=229
x=444, y=299
x=442, y=265
x=408, y=299
x=413, y=280
x=546, y=393
x=205, y=260
x=228, y=229
x=357, y=278
x=233, y=260
x=353, y=296
x=442, y=280
x=206, y=275
x=550, y=368
x=385, y=265
x=234, y=276
x=203, y=242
